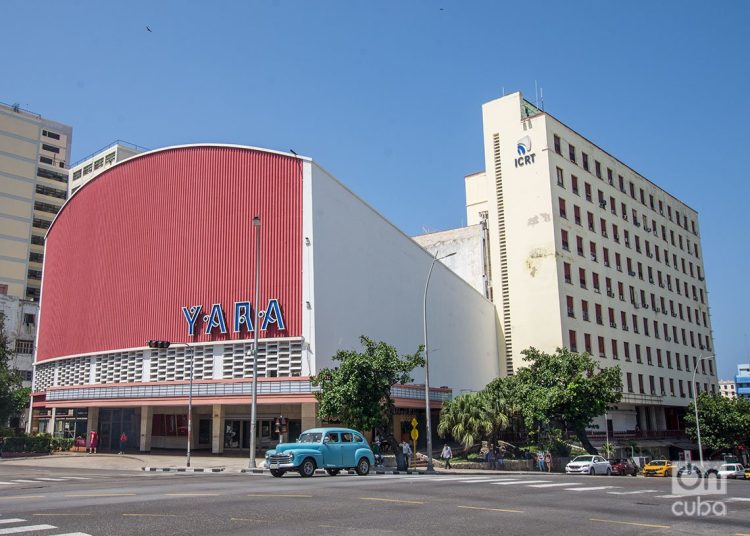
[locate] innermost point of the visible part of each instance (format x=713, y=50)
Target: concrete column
x=147, y=422
x=310, y=416
x=92, y=423
x=51, y=424
x=217, y=429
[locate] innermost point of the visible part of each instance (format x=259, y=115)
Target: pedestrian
x=540, y=460
x=500, y=458
x=548, y=461
x=93, y=441
x=406, y=450
x=123, y=442
x=447, y=454
x=489, y=457
x=376, y=451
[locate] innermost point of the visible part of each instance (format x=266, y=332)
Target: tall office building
x=588, y=254
x=34, y=154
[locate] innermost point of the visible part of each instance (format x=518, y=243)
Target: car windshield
x=583, y=459
x=310, y=437
x=658, y=462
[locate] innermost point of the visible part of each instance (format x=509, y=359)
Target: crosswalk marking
x=72, y=534
x=26, y=528
x=16, y=520
x=50, y=479
x=555, y=485
x=633, y=492
x=6, y=483
x=590, y=488
x=24, y=481
x=78, y=477
x=519, y=482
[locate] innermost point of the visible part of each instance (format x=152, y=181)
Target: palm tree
x=496, y=412
x=465, y=418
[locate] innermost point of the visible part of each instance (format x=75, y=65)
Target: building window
x=629, y=379
x=640, y=384
x=574, y=184
x=571, y=309
x=558, y=150
x=560, y=178
x=563, y=213
x=565, y=243
x=573, y=343
x=46, y=160
x=572, y=153
x=614, y=349
x=582, y=277
x=602, y=348
x=626, y=350
x=566, y=271
x=585, y=159
x=51, y=135
x=598, y=169
x=29, y=319
x=587, y=342
x=3, y=290
x=24, y=347
x=50, y=148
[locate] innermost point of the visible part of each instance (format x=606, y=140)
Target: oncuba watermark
x=699, y=490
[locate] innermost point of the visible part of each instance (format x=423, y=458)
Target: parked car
x=728, y=470
x=658, y=468
x=623, y=466
x=332, y=449
x=747, y=473
x=588, y=465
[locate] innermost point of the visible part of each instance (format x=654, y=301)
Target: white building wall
x=369, y=280
x=14, y=311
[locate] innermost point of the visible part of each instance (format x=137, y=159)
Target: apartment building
x=34, y=157
x=89, y=167
x=588, y=254
x=742, y=381
x=728, y=389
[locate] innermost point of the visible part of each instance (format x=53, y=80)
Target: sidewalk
x=200, y=462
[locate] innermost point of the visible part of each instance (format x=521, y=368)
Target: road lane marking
x=555, y=485
x=24, y=497
x=78, y=478
x=492, y=509
x=99, y=495
x=6, y=483
x=26, y=528
x=150, y=515
x=245, y=519
x=402, y=501
x=14, y=520
x=352, y=528
x=72, y=534
x=56, y=515
x=630, y=523
x=733, y=499
x=290, y=495
x=25, y=481
x=519, y=482
x=192, y=494
x=633, y=492
x=590, y=488
x=50, y=479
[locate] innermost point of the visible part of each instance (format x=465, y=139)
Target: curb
x=183, y=469
x=262, y=470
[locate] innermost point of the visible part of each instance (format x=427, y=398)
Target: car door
x=348, y=448
x=600, y=465
x=332, y=450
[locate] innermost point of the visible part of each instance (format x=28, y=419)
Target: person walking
x=540, y=460
x=123, y=442
x=548, y=461
x=93, y=441
x=489, y=457
x=447, y=454
x=406, y=450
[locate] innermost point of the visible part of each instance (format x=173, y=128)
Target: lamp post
x=428, y=421
x=695, y=404
x=188, y=350
x=256, y=328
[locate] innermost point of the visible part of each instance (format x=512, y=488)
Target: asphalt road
x=52, y=502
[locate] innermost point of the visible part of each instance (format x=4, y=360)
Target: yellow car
x=747, y=473
x=658, y=468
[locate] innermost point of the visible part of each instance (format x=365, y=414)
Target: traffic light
x=283, y=425
x=159, y=344
x=277, y=426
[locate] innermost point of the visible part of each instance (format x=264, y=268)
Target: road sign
x=413, y=422
x=414, y=434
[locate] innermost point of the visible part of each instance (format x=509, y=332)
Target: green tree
x=724, y=423
x=14, y=398
x=358, y=391
x=566, y=390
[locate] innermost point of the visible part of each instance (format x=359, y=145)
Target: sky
x=387, y=95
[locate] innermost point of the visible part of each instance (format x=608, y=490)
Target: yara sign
x=242, y=316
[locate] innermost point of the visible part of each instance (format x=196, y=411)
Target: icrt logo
x=524, y=145
x=525, y=156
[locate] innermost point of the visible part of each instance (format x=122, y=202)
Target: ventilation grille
x=504, y=286
x=118, y=367
x=173, y=364
x=76, y=372
x=44, y=376
x=275, y=358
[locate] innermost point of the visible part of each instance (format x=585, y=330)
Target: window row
x=636, y=268
x=686, y=245
x=656, y=205
x=620, y=320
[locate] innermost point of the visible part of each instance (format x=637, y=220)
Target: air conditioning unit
x=598, y=291
x=645, y=306
x=622, y=298
x=650, y=255
x=668, y=339
x=625, y=217
x=619, y=268
x=625, y=327
x=651, y=280
x=593, y=258
x=637, y=223
x=591, y=228
x=627, y=243
x=610, y=294
x=606, y=263
x=604, y=234
x=602, y=204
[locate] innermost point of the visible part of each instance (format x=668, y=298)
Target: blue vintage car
x=332, y=449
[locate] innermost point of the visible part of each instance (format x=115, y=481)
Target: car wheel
x=307, y=469
x=609, y=471
x=277, y=473
x=634, y=473
x=592, y=472
x=363, y=467
x=667, y=474
x=333, y=472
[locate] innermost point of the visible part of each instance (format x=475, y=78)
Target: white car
x=588, y=465
x=731, y=470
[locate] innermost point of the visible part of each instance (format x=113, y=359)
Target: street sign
x=413, y=422
x=414, y=434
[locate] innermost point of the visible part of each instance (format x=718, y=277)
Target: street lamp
x=695, y=404
x=256, y=328
x=189, y=350
x=428, y=421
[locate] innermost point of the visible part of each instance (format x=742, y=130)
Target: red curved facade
x=169, y=229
